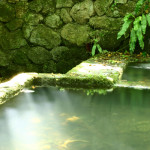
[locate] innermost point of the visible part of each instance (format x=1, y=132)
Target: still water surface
x=53, y=119
x=137, y=72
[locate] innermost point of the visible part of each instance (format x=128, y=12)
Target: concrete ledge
x=95, y=73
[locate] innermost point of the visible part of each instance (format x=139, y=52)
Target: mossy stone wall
x=52, y=35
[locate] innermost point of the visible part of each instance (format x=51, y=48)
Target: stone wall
x=53, y=35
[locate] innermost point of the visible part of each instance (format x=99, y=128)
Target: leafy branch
x=137, y=25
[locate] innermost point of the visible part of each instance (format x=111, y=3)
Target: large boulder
x=101, y=6
x=27, y=29
x=12, y=40
x=7, y=12
x=64, y=3
x=49, y=6
x=4, y=61
x=105, y=22
x=36, y=5
x=33, y=18
x=76, y=34
x=21, y=9
x=19, y=56
x=44, y=6
x=39, y=55
x=53, y=21
x=14, y=24
x=49, y=67
x=65, y=15
x=45, y=37
x=81, y=12
x=108, y=39
x=60, y=53
x=120, y=10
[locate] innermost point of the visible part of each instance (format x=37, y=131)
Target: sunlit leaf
x=99, y=48
x=143, y=24
x=148, y=18
x=124, y=29
x=93, y=49
x=140, y=38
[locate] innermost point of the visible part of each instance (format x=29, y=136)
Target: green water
x=137, y=72
x=53, y=119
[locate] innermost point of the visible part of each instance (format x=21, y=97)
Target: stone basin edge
x=91, y=74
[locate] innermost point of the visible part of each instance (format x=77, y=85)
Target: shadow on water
x=53, y=119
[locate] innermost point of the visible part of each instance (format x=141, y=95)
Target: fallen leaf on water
x=63, y=114
x=73, y=118
x=65, y=144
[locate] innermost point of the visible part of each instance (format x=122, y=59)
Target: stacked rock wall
x=51, y=35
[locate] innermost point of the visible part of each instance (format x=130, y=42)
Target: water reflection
x=50, y=119
x=137, y=72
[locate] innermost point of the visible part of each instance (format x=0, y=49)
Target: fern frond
x=138, y=6
x=99, y=48
x=148, y=18
x=140, y=38
x=143, y=24
x=93, y=49
x=124, y=28
x=136, y=23
x=133, y=39
x=127, y=16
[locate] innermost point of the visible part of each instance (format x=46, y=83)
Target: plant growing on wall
x=96, y=46
x=136, y=24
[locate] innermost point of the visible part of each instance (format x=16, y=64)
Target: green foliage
x=136, y=24
x=96, y=46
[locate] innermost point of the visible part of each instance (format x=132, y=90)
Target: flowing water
x=50, y=118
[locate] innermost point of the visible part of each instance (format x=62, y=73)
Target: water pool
x=52, y=119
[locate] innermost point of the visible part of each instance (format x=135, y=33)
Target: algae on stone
x=39, y=55
x=7, y=13
x=53, y=21
x=75, y=33
x=45, y=37
x=81, y=12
